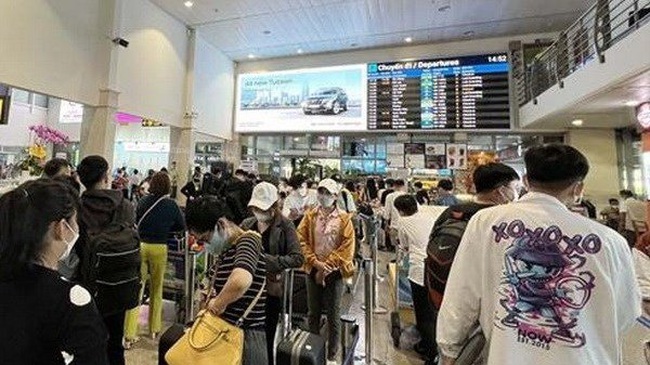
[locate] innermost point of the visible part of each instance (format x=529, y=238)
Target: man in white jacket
x=546, y=285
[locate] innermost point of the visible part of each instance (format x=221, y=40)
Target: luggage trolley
x=184, y=267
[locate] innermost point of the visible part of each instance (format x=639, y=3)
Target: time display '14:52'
x=498, y=59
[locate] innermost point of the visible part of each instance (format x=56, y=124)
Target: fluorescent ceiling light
x=408, y=39
x=300, y=51
x=578, y=122
x=189, y=4
x=251, y=56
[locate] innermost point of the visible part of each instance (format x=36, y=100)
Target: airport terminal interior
x=302, y=99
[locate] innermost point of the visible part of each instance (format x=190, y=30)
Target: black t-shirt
x=246, y=253
x=49, y=321
x=166, y=217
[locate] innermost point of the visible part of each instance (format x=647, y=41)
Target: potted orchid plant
x=41, y=136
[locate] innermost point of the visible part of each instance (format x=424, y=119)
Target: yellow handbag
x=211, y=340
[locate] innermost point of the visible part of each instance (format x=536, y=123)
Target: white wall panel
x=214, y=90
x=55, y=47
x=151, y=71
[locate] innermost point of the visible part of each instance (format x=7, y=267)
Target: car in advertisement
x=328, y=100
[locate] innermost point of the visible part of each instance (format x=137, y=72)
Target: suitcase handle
x=287, y=305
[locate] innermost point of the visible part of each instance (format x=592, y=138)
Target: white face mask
x=325, y=201
x=513, y=196
x=302, y=191
x=69, y=244
x=264, y=217
x=578, y=196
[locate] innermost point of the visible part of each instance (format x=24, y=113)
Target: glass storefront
x=367, y=154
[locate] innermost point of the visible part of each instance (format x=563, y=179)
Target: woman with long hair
x=46, y=319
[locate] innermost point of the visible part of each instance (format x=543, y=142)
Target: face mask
x=512, y=196
x=577, y=197
x=325, y=201
x=218, y=243
x=69, y=244
x=263, y=217
x=302, y=191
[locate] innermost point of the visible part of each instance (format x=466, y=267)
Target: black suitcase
x=169, y=339
x=296, y=346
x=301, y=348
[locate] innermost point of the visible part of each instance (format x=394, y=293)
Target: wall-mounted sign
x=146, y=147
x=643, y=115
x=71, y=112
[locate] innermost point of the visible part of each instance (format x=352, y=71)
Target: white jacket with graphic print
x=547, y=286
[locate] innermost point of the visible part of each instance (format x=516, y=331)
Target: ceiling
x=607, y=109
x=276, y=28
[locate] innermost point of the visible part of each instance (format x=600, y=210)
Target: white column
x=599, y=146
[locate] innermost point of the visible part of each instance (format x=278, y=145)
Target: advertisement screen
x=451, y=93
x=307, y=100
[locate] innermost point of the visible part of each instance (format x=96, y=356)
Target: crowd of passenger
x=536, y=271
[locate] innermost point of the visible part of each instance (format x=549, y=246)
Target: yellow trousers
x=154, y=264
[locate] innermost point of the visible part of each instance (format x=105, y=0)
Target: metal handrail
x=604, y=24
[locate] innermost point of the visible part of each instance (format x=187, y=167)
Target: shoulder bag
x=211, y=340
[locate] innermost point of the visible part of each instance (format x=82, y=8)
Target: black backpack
x=112, y=264
x=441, y=250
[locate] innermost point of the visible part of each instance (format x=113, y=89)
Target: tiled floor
x=145, y=351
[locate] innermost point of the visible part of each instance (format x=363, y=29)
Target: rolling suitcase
x=296, y=346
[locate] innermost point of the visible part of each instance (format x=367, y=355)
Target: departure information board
x=451, y=93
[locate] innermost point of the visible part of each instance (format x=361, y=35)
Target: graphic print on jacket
x=544, y=285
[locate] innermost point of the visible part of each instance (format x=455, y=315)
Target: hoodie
x=97, y=210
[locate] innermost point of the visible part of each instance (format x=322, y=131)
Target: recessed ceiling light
x=444, y=8
x=251, y=56
x=300, y=51
x=189, y=4
x=408, y=39
x=631, y=103
x=267, y=32
x=578, y=122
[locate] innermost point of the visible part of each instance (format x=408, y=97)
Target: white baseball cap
x=264, y=195
x=330, y=185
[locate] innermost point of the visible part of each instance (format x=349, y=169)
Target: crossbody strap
x=150, y=209
x=241, y=320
